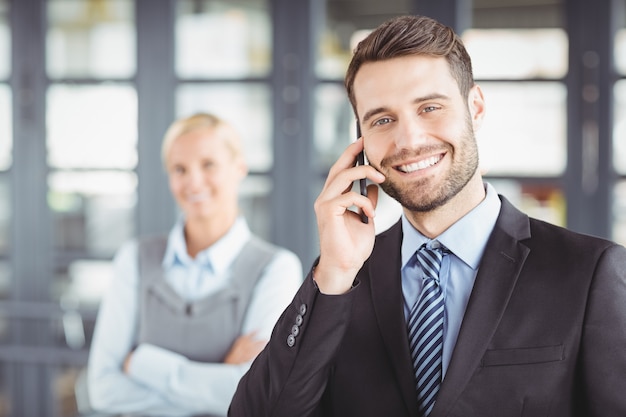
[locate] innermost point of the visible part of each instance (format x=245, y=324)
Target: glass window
x=620, y=51
x=93, y=213
x=92, y=126
x=85, y=283
x=619, y=130
x=5, y=235
x=223, y=39
x=517, y=53
x=5, y=286
x=5, y=41
x=6, y=142
x=345, y=24
x=69, y=387
x=523, y=133
x=245, y=106
x=93, y=210
x=620, y=38
x=5, y=214
x=619, y=213
x=6, y=130
x=334, y=126
x=545, y=202
x=91, y=39
x=254, y=200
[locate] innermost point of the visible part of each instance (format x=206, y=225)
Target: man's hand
x=245, y=348
x=345, y=241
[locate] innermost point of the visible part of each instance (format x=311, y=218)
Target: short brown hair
x=412, y=35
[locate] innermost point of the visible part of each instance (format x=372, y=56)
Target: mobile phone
x=360, y=160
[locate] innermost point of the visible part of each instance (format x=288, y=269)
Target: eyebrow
x=434, y=96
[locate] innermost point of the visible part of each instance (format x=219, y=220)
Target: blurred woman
x=187, y=313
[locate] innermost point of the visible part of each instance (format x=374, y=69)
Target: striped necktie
x=426, y=331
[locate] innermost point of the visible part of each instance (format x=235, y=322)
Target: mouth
x=194, y=198
x=419, y=165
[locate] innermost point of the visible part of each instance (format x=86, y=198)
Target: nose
x=193, y=179
x=410, y=133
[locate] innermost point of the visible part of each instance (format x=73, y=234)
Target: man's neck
x=434, y=222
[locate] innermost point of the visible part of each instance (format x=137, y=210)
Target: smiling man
x=466, y=307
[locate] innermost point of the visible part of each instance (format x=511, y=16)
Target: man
x=466, y=307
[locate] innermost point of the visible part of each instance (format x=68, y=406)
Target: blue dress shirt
x=466, y=240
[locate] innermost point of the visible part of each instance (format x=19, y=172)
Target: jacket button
x=299, y=320
x=291, y=340
x=303, y=309
x=295, y=330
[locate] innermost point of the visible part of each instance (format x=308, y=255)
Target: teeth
x=196, y=197
x=425, y=163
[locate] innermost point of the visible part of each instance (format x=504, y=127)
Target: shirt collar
x=466, y=238
x=217, y=257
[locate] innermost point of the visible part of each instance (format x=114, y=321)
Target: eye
x=429, y=109
x=208, y=164
x=178, y=170
x=382, y=121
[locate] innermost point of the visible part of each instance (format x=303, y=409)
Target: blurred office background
x=88, y=87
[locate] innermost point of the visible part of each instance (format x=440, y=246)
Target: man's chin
x=410, y=199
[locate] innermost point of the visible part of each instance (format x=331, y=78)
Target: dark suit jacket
x=544, y=334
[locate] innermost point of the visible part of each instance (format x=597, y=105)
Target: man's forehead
x=419, y=76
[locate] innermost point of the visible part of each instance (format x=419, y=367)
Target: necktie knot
x=429, y=260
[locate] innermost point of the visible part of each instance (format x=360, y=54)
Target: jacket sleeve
x=604, y=337
x=289, y=377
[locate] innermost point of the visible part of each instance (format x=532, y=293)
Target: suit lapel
x=386, y=290
x=498, y=272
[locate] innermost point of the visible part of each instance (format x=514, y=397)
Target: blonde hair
x=198, y=121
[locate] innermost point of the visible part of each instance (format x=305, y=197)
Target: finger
x=347, y=159
x=340, y=204
x=344, y=180
x=372, y=196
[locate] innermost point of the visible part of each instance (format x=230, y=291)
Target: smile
x=194, y=198
x=423, y=164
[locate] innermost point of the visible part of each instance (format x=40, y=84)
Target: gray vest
x=202, y=330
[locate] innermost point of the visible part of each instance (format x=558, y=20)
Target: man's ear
x=476, y=105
